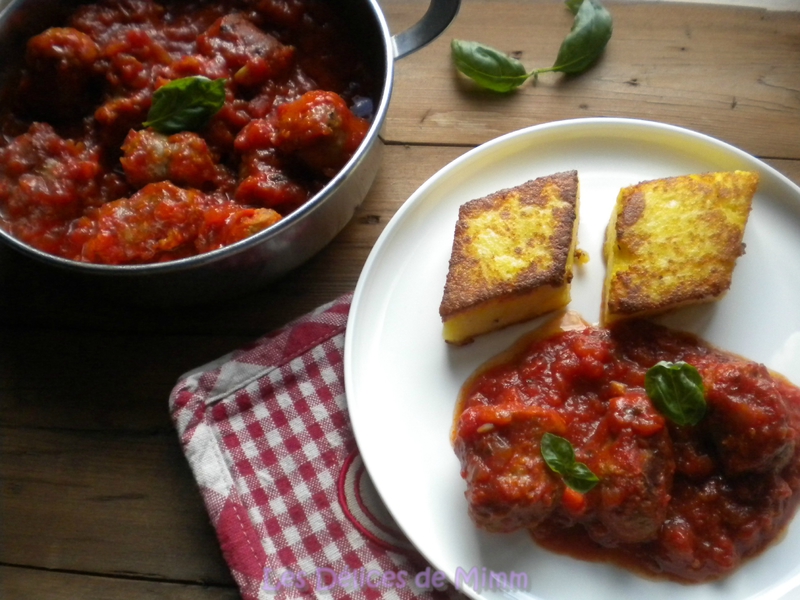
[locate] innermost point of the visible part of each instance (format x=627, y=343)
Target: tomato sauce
x=82, y=178
x=685, y=502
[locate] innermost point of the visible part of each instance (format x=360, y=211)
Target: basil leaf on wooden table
x=495, y=70
x=676, y=390
x=586, y=40
x=559, y=455
x=185, y=104
x=488, y=66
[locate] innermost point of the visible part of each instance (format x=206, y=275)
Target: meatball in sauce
x=85, y=173
x=688, y=502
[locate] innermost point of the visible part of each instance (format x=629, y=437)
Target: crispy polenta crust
x=512, y=257
x=674, y=242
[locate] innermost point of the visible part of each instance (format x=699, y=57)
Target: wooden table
x=97, y=500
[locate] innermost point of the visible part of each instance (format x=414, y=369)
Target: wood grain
x=108, y=502
x=17, y=582
x=689, y=65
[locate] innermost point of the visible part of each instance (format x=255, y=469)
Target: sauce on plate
x=680, y=501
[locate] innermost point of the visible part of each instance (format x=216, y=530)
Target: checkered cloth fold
x=267, y=434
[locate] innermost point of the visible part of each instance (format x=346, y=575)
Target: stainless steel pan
x=277, y=250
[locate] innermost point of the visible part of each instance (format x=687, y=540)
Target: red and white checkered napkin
x=266, y=432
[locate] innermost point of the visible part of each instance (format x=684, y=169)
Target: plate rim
x=410, y=203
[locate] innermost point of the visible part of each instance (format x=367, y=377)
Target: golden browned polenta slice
x=512, y=257
x=672, y=242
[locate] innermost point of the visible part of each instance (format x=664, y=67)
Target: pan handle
x=439, y=15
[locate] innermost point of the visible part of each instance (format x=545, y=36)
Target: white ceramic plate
x=402, y=380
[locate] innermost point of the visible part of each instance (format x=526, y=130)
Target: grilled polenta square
x=674, y=242
x=512, y=257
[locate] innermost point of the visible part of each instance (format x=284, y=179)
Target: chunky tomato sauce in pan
x=80, y=175
x=689, y=502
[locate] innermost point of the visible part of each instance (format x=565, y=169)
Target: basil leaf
x=580, y=478
x=559, y=455
x=185, y=104
x=557, y=452
x=676, y=390
x=487, y=66
x=586, y=40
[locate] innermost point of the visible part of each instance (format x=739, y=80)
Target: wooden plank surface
x=111, y=502
x=732, y=73
x=39, y=584
x=96, y=499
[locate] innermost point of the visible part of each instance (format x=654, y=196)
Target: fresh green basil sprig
x=676, y=390
x=185, y=104
x=559, y=455
x=495, y=70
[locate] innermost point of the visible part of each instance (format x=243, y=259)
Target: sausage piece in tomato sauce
x=290, y=69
